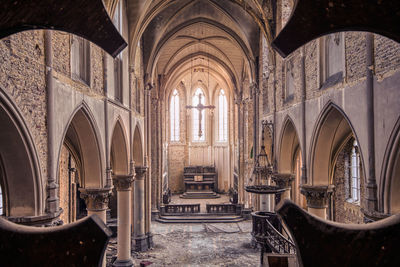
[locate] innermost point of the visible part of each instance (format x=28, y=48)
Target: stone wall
x=345, y=211
x=22, y=77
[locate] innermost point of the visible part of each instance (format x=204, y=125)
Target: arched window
x=222, y=117
x=174, y=113
x=355, y=173
x=198, y=116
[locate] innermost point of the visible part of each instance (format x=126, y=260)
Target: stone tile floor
x=219, y=244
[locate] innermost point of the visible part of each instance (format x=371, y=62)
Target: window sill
x=288, y=99
x=79, y=80
x=352, y=201
x=332, y=80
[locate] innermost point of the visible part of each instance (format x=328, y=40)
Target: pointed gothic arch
x=20, y=174
x=138, y=147
x=288, y=145
x=82, y=132
x=390, y=182
x=119, y=149
x=331, y=133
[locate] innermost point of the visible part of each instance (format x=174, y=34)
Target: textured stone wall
x=387, y=56
x=346, y=212
x=63, y=181
x=22, y=77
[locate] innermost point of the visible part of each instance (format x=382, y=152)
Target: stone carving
x=96, y=199
x=283, y=180
x=317, y=196
x=140, y=172
x=123, y=182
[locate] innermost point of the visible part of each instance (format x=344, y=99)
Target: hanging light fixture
x=262, y=167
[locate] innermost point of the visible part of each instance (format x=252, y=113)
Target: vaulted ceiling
x=219, y=36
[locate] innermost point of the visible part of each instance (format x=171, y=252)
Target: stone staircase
x=199, y=195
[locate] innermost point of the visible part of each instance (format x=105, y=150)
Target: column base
x=150, y=243
x=123, y=263
x=140, y=244
x=154, y=214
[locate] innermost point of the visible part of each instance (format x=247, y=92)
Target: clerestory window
x=80, y=59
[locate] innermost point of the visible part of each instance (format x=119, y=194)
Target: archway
x=290, y=160
x=20, y=172
x=336, y=159
x=80, y=164
x=391, y=174
x=119, y=161
x=137, y=147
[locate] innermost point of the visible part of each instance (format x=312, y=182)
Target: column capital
x=140, y=172
x=317, y=196
x=96, y=199
x=123, y=182
x=283, y=180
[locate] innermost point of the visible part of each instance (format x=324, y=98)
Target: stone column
x=284, y=180
x=123, y=184
x=96, y=200
x=139, y=223
x=317, y=198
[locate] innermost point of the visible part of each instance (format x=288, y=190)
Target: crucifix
x=200, y=108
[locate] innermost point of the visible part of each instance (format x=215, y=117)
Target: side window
x=118, y=74
x=174, y=116
x=80, y=59
x=331, y=59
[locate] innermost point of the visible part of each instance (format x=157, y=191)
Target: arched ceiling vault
x=227, y=32
x=202, y=61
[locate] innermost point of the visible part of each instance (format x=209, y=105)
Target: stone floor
x=220, y=244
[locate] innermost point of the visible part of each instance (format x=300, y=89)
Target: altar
x=200, y=182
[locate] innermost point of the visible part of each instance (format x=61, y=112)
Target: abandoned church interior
x=199, y=126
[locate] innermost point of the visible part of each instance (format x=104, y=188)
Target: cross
x=200, y=107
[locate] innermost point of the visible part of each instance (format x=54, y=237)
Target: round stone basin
x=264, y=189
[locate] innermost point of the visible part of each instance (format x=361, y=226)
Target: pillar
x=123, y=184
x=317, y=198
x=284, y=180
x=96, y=200
x=139, y=223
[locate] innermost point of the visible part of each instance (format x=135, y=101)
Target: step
x=199, y=219
x=199, y=194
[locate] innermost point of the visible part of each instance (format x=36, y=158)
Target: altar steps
x=199, y=218
x=199, y=195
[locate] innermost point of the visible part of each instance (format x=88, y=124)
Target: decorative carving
x=140, y=172
x=283, y=180
x=123, y=182
x=317, y=196
x=96, y=199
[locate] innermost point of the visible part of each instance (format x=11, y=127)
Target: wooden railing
x=180, y=209
x=224, y=209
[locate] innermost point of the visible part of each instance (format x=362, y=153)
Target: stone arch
x=137, y=147
x=390, y=185
x=20, y=175
x=289, y=143
x=83, y=134
x=119, y=150
x=331, y=132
